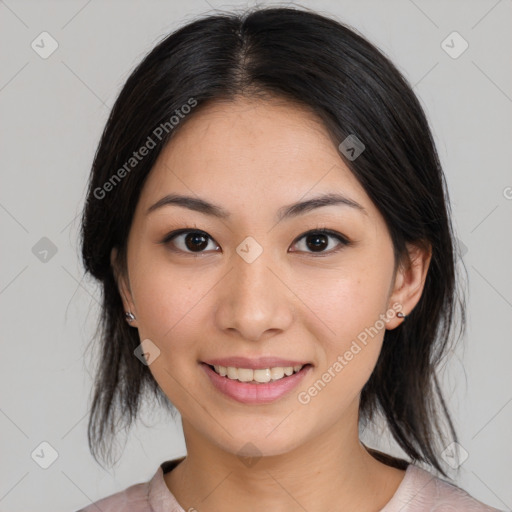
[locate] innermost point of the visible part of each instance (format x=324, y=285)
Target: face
x=254, y=283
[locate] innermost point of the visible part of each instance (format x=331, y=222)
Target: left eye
x=319, y=240
x=196, y=241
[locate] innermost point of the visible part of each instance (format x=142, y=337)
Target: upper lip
x=253, y=364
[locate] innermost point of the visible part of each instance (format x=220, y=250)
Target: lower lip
x=248, y=393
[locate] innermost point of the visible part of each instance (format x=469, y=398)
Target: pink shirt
x=419, y=491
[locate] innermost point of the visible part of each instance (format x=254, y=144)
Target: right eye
x=191, y=241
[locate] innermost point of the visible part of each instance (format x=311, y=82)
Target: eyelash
x=344, y=241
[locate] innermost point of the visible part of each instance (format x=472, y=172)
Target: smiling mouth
x=257, y=376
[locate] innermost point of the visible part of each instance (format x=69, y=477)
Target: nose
x=254, y=301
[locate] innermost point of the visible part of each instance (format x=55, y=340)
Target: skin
x=252, y=157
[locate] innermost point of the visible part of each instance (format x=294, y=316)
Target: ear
x=123, y=286
x=409, y=282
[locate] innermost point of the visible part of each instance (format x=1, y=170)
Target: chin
x=259, y=443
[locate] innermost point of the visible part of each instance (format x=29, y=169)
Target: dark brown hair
x=319, y=63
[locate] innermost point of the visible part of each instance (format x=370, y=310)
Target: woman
x=269, y=221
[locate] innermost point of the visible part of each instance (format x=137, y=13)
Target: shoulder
x=421, y=491
x=132, y=499
x=141, y=497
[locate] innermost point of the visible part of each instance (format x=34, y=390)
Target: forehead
x=248, y=153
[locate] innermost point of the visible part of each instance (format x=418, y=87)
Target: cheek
x=167, y=302
x=349, y=299
x=351, y=309
x=348, y=307
x=346, y=356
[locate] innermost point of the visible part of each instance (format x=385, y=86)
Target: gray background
x=52, y=113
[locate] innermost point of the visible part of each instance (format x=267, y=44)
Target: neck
x=317, y=476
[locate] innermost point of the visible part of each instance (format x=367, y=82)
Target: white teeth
x=261, y=375
x=277, y=373
x=244, y=374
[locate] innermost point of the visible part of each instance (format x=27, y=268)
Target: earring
x=401, y=315
x=130, y=317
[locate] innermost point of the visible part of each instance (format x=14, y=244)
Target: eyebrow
x=286, y=212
